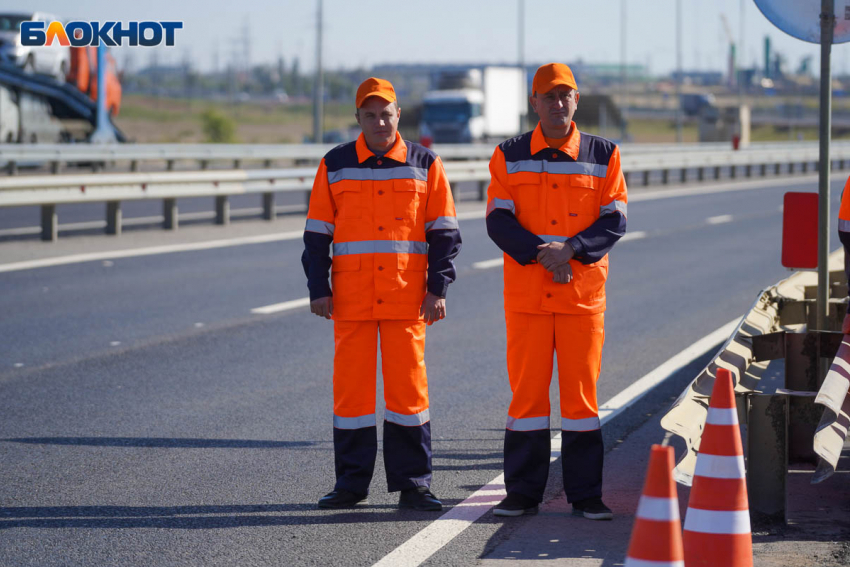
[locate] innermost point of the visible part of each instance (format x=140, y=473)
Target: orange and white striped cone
x=657, y=534
x=717, y=523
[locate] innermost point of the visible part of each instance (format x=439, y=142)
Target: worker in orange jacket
x=844, y=236
x=385, y=207
x=556, y=205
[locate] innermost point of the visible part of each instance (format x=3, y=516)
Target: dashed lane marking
x=720, y=219
x=285, y=306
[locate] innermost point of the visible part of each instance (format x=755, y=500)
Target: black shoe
x=516, y=504
x=419, y=498
x=592, y=509
x=341, y=498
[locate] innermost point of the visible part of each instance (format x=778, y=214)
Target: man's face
x=556, y=107
x=379, y=121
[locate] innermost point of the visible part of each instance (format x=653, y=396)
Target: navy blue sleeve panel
x=595, y=241
x=514, y=240
x=443, y=247
x=316, y=260
x=845, y=240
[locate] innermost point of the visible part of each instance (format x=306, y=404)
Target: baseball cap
x=374, y=87
x=549, y=76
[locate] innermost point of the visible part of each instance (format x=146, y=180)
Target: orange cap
x=550, y=76
x=374, y=87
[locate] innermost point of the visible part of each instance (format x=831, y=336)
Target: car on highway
x=54, y=59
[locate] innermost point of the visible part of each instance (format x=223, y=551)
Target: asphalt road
x=149, y=418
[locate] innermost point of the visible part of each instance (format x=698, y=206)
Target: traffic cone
x=717, y=523
x=657, y=535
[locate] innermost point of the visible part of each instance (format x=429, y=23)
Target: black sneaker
x=420, y=498
x=341, y=498
x=592, y=509
x=516, y=504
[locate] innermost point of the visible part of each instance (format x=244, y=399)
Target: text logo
x=112, y=34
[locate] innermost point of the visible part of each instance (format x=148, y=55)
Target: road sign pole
x=827, y=17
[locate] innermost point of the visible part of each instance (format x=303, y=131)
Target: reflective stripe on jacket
x=389, y=219
x=538, y=194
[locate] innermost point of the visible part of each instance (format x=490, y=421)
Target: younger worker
x=386, y=207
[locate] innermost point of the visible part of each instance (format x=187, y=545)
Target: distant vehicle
x=474, y=106
x=54, y=59
x=693, y=104
x=27, y=119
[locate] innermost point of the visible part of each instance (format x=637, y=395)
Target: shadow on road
x=163, y=442
x=198, y=517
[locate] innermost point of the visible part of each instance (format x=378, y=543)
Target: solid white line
x=285, y=306
x=720, y=219
x=487, y=264
x=437, y=534
x=150, y=251
x=616, y=405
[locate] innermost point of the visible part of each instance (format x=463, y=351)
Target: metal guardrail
x=59, y=155
x=49, y=190
x=781, y=424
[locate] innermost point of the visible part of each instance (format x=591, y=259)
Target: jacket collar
x=570, y=147
x=397, y=152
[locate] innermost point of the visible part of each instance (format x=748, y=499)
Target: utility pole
x=624, y=90
x=827, y=17
x=742, y=57
x=521, y=60
x=318, y=88
x=679, y=136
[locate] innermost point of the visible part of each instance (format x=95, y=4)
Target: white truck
x=475, y=105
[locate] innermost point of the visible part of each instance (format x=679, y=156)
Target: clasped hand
x=555, y=257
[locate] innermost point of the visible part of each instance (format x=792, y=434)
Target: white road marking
x=437, y=534
x=198, y=325
x=636, y=235
x=150, y=251
x=115, y=343
x=720, y=219
x=487, y=264
x=285, y=306
x=19, y=365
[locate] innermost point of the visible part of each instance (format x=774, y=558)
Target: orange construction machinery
x=83, y=75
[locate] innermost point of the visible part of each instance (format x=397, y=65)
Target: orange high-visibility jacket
x=538, y=194
x=844, y=229
x=390, y=219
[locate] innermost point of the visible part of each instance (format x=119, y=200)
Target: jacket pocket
x=347, y=197
x=408, y=197
x=346, y=263
x=584, y=197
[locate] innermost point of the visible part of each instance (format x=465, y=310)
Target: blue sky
x=368, y=32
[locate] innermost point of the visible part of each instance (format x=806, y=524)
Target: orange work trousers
x=407, y=430
x=532, y=342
